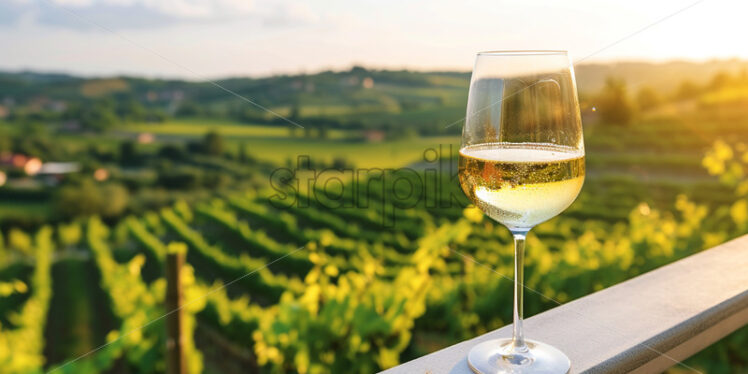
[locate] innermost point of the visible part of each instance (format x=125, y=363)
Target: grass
x=227, y=128
x=388, y=154
x=13, y=209
x=274, y=143
x=198, y=127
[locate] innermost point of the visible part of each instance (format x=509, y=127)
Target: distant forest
x=397, y=102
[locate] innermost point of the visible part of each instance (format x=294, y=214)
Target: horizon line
x=351, y=66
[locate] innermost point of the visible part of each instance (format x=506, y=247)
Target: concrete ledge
x=643, y=325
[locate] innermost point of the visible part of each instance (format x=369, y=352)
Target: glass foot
x=496, y=356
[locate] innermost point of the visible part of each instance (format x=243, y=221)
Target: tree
x=131, y=110
x=98, y=116
x=687, y=90
x=213, y=143
x=115, y=198
x=295, y=112
x=88, y=198
x=189, y=108
x=244, y=155
x=6, y=142
x=720, y=80
x=647, y=98
x=613, y=103
x=323, y=131
x=172, y=152
x=128, y=154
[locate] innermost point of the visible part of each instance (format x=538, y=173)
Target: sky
x=200, y=39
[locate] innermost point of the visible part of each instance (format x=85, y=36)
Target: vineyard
x=356, y=278
x=318, y=289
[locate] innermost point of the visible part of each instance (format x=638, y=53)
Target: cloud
x=197, y=9
x=186, y=9
x=122, y=14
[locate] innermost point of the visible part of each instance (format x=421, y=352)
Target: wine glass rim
x=523, y=52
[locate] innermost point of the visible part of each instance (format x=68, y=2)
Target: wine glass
x=521, y=163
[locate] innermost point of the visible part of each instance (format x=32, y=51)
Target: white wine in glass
x=521, y=185
x=521, y=163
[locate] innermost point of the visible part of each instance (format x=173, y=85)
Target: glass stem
x=518, y=336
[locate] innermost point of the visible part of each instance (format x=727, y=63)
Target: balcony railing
x=643, y=325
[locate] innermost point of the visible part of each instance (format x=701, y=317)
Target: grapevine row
x=287, y=226
x=213, y=260
x=322, y=219
x=21, y=347
x=237, y=319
